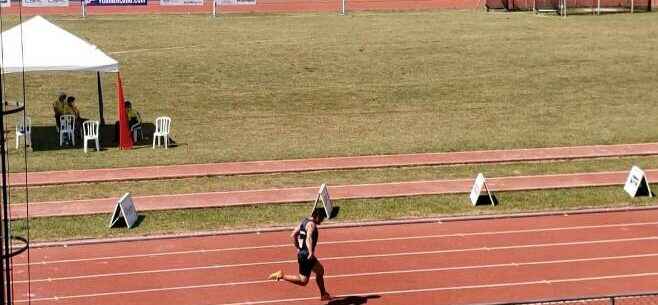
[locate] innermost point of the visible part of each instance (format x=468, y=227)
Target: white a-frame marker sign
x=637, y=183
x=323, y=195
x=125, y=209
x=480, y=183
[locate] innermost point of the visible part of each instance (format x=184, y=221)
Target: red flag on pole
x=125, y=140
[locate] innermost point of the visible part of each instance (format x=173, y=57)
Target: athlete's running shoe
x=277, y=276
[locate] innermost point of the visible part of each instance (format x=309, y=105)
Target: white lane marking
x=343, y=258
x=93, y=295
x=339, y=242
x=511, y=264
x=388, y=292
x=156, y=271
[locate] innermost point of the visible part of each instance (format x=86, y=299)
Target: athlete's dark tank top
x=301, y=238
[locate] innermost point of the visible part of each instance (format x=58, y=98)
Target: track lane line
x=37, y=263
x=510, y=264
x=487, y=249
x=513, y=284
x=57, y=298
x=361, y=256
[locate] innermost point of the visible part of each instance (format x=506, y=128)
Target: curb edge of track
x=438, y=219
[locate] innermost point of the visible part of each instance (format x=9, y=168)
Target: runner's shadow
x=353, y=300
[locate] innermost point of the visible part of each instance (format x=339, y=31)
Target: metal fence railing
x=589, y=6
x=216, y=7
x=619, y=299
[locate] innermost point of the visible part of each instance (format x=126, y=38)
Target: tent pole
x=100, y=98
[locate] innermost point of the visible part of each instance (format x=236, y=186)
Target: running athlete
x=305, y=238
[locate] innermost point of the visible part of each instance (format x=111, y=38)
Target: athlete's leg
x=300, y=280
x=318, y=269
x=305, y=268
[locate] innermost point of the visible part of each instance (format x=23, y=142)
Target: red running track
x=302, y=194
x=299, y=165
x=450, y=262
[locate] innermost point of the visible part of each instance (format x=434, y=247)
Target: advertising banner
x=115, y=2
x=236, y=2
x=181, y=2
x=45, y=3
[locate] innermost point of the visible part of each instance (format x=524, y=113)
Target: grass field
x=195, y=220
x=261, y=87
x=351, y=210
x=316, y=178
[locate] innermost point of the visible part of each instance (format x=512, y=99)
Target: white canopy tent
x=47, y=47
x=38, y=45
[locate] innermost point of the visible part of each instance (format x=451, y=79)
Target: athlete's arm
x=294, y=235
x=310, y=227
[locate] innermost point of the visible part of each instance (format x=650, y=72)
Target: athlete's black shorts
x=305, y=264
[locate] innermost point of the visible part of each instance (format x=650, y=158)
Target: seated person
x=58, y=108
x=71, y=108
x=134, y=121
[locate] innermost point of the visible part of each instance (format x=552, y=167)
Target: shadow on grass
x=353, y=300
x=46, y=138
x=484, y=200
x=643, y=188
x=334, y=212
x=121, y=222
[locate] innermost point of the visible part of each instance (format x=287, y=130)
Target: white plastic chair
x=162, y=128
x=67, y=127
x=90, y=131
x=24, y=130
